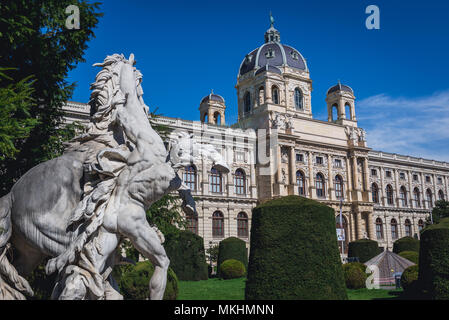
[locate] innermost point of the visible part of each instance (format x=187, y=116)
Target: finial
x=271, y=19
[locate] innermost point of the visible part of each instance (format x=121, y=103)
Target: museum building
x=382, y=196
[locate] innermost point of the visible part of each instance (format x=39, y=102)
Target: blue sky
x=186, y=48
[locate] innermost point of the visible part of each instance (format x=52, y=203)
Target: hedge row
x=364, y=249
x=406, y=244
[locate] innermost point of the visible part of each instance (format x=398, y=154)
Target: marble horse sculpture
x=77, y=208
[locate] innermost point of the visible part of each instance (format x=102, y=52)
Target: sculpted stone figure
x=77, y=208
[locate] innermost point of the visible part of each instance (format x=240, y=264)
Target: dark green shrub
x=294, y=252
x=412, y=256
x=232, y=269
x=434, y=260
x=406, y=244
x=186, y=253
x=409, y=276
x=364, y=249
x=134, y=283
x=355, y=276
x=232, y=248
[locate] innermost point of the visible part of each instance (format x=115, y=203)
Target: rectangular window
x=415, y=177
x=374, y=172
x=388, y=174
x=319, y=160
x=338, y=163
x=440, y=180
x=427, y=178
x=402, y=176
x=299, y=157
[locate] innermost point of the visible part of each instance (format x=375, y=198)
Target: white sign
x=341, y=234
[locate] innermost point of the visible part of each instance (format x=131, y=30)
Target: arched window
x=215, y=181
x=301, y=182
x=205, y=117
x=217, y=118
x=190, y=177
x=275, y=94
x=345, y=227
x=192, y=223
x=394, y=229
x=239, y=181
x=242, y=225
x=247, y=102
x=440, y=195
x=261, y=95
x=420, y=225
x=334, y=112
x=389, y=190
x=403, y=196
x=217, y=224
x=319, y=184
x=348, y=111
x=429, y=198
x=416, y=198
x=408, y=228
x=298, y=99
x=375, y=192
x=339, y=187
x=379, y=229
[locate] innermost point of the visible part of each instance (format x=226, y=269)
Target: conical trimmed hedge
x=294, y=252
x=364, y=249
x=434, y=261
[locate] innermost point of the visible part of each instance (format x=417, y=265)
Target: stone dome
x=340, y=87
x=272, y=54
x=213, y=97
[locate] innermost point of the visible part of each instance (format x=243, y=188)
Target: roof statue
x=77, y=208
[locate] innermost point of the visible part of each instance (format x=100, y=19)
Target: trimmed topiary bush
x=434, y=260
x=232, y=248
x=232, y=269
x=364, y=249
x=410, y=256
x=134, y=283
x=406, y=244
x=355, y=276
x=294, y=252
x=409, y=276
x=186, y=253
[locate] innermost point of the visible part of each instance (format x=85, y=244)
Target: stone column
x=311, y=177
x=355, y=172
x=359, y=224
x=349, y=175
x=279, y=164
x=331, y=178
x=292, y=166
x=423, y=192
x=366, y=174
x=268, y=92
x=411, y=203
x=371, y=226
x=396, y=185
x=382, y=186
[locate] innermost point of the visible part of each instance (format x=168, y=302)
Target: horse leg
x=133, y=224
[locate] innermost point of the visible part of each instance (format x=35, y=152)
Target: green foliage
x=434, y=260
x=232, y=269
x=166, y=215
x=364, y=249
x=15, y=118
x=38, y=46
x=406, y=244
x=412, y=256
x=409, y=276
x=212, y=253
x=294, y=252
x=232, y=248
x=440, y=211
x=355, y=276
x=186, y=253
x=134, y=283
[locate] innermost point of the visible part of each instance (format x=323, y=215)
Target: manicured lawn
x=374, y=294
x=217, y=289
x=212, y=289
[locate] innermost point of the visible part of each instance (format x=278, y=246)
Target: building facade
x=277, y=148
